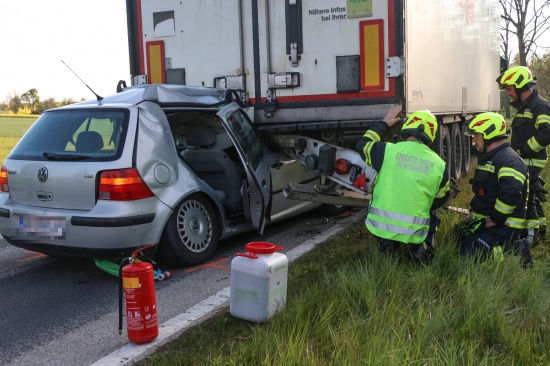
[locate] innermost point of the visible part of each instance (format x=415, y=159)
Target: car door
x=250, y=150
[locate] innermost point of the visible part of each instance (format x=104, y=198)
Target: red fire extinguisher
x=137, y=283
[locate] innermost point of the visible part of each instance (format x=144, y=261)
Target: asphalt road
x=56, y=311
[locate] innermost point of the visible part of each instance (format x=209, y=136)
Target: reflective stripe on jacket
x=407, y=183
x=500, y=186
x=531, y=129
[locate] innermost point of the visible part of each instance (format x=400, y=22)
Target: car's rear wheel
x=191, y=233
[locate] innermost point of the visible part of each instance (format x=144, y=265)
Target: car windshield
x=83, y=135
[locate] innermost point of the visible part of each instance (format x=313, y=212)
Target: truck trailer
x=327, y=69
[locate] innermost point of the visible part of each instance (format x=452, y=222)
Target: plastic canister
x=258, y=282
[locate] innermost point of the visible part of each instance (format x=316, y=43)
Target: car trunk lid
x=59, y=184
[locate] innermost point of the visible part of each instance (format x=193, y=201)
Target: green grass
x=349, y=305
x=11, y=130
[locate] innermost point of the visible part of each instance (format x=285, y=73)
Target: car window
x=246, y=137
x=87, y=135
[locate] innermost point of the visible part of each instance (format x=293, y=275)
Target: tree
x=25, y=98
x=47, y=104
x=34, y=99
x=67, y=101
x=15, y=104
x=527, y=21
x=540, y=66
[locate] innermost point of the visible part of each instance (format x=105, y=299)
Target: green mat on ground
x=107, y=266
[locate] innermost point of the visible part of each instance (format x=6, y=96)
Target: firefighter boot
x=387, y=246
x=423, y=253
x=532, y=237
x=522, y=249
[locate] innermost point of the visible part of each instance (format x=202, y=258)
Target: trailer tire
x=442, y=146
x=467, y=149
x=457, y=151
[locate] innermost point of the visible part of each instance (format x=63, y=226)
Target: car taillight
x=122, y=185
x=4, y=187
x=341, y=166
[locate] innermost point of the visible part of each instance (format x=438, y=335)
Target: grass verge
x=12, y=128
x=349, y=305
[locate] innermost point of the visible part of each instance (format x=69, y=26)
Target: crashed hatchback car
x=178, y=166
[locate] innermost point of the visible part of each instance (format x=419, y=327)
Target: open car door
x=241, y=132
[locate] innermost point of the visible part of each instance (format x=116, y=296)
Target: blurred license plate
x=44, y=226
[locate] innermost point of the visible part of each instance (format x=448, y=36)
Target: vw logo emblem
x=43, y=174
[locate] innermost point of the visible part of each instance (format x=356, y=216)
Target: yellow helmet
x=421, y=124
x=490, y=125
x=519, y=77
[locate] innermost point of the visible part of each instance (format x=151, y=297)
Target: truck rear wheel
x=457, y=151
x=466, y=149
x=442, y=145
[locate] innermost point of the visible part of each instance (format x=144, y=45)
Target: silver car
x=178, y=166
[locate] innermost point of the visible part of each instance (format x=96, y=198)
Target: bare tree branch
x=527, y=21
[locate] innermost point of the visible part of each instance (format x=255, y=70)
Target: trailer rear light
x=4, y=187
x=342, y=166
x=122, y=185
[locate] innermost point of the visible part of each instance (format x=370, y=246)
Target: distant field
x=11, y=130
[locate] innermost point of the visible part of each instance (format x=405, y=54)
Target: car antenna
x=99, y=98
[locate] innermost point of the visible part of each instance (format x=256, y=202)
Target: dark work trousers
x=485, y=241
x=534, y=217
x=422, y=252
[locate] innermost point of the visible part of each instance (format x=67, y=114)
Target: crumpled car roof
x=165, y=95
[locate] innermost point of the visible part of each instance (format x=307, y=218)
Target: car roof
x=166, y=95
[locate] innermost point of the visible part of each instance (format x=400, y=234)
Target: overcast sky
x=90, y=36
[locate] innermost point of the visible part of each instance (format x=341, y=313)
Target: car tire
x=191, y=233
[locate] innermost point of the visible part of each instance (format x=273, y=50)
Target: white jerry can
x=258, y=282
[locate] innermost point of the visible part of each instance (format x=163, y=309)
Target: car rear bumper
x=109, y=230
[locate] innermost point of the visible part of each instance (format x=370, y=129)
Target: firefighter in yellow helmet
x=530, y=136
x=412, y=181
x=500, y=187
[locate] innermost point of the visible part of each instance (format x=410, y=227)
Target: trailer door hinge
x=139, y=80
x=294, y=56
x=395, y=66
x=235, y=82
x=270, y=104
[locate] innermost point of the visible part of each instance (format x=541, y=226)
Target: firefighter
x=500, y=187
x=530, y=136
x=412, y=181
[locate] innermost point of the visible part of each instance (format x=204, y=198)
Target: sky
x=90, y=36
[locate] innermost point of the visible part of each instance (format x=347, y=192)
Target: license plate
x=42, y=226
